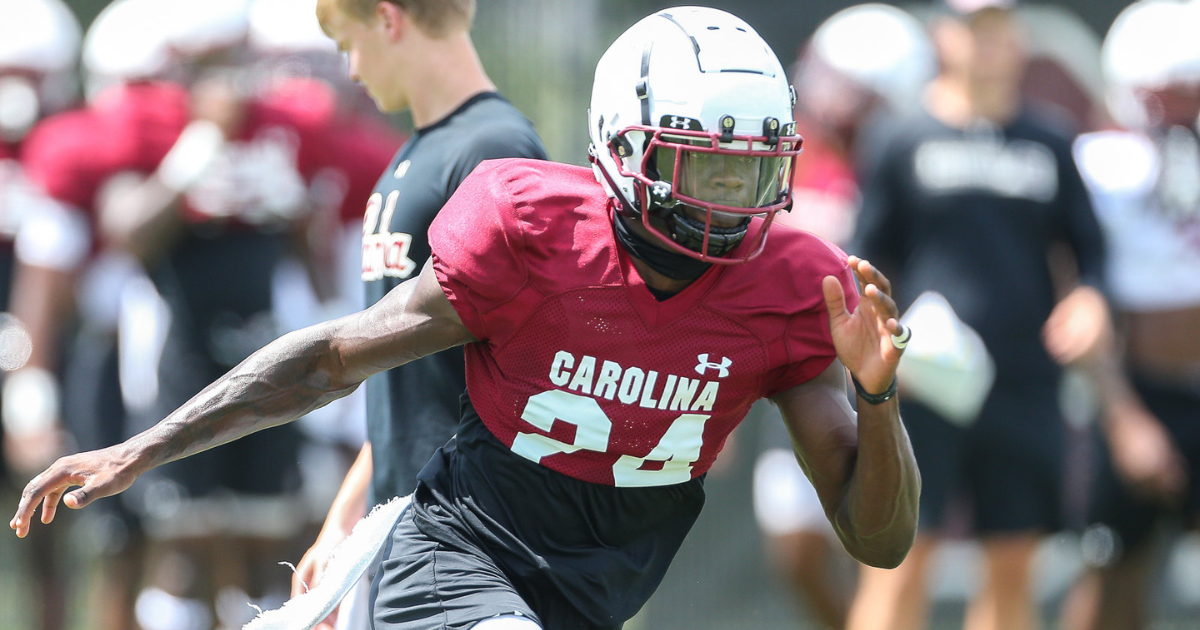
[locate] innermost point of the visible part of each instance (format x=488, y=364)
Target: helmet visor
x=732, y=179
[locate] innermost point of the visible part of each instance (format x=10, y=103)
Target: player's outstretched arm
x=862, y=468
x=291, y=376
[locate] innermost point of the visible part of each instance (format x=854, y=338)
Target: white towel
x=946, y=365
x=349, y=561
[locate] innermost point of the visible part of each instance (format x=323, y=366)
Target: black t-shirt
x=974, y=215
x=414, y=409
x=581, y=554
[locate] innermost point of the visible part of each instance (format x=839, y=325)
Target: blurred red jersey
x=579, y=367
x=130, y=128
x=345, y=152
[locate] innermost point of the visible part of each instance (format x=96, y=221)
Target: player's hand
x=311, y=570
x=1146, y=458
x=99, y=474
x=863, y=339
x=1078, y=327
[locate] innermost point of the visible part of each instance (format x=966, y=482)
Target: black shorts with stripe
x=490, y=533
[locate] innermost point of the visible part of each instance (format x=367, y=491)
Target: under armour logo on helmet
x=680, y=122
x=705, y=364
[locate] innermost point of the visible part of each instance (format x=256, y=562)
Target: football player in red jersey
x=615, y=333
x=39, y=46
x=212, y=223
x=107, y=161
x=130, y=122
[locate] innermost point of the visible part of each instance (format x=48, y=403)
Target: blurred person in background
x=968, y=199
x=130, y=122
x=291, y=53
x=1062, y=72
x=39, y=46
x=1145, y=183
x=414, y=55
x=205, y=181
x=866, y=62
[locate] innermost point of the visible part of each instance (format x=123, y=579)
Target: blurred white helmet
x=126, y=43
x=197, y=27
x=38, y=35
x=39, y=43
x=1152, y=44
x=287, y=26
x=881, y=48
x=682, y=95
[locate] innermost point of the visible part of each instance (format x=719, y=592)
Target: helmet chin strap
x=689, y=232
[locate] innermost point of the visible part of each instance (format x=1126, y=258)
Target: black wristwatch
x=875, y=399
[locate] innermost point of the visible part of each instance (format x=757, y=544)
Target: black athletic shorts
x=1006, y=468
x=490, y=533
x=1132, y=518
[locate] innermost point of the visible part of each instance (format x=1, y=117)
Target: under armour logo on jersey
x=401, y=169
x=705, y=364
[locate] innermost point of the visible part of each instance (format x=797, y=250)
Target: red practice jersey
x=267, y=164
x=350, y=147
x=579, y=367
x=130, y=128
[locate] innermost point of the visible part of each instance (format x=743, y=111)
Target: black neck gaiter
x=671, y=264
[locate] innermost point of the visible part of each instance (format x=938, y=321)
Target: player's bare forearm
x=875, y=510
x=288, y=378
x=291, y=376
x=863, y=470
x=877, y=520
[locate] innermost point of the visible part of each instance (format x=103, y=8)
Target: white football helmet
x=39, y=35
x=1152, y=44
x=126, y=42
x=691, y=108
x=287, y=26
x=39, y=42
x=879, y=47
x=198, y=28
x=287, y=42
